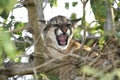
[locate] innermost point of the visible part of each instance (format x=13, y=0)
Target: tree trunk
x=108, y=25
x=35, y=13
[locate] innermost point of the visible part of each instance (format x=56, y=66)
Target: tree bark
x=108, y=25
x=36, y=14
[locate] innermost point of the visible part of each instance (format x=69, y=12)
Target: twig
x=17, y=30
x=94, y=60
x=57, y=66
x=84, y=2
x=92, y=22
x=44, y=64
x=18, y=41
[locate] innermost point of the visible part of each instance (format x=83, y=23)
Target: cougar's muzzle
x=62, y=35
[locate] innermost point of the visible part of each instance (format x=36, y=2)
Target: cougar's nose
x=64, y=29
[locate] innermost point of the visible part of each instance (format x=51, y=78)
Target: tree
x=33, y=27
x=104, y=14
x=104, y=57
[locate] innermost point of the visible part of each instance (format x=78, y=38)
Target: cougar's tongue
x=62, y=39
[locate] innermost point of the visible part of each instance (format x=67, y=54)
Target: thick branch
x=32, y=7
x=16, y=69
x=24, y=68
x=28, y=68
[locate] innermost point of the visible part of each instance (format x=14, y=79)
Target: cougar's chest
x=61, y=54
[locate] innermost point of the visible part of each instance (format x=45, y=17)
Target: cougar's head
x=60, y=31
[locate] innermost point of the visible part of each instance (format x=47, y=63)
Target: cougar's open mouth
x=62, y=39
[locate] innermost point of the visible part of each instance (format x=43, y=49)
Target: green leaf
x=88, y=70
x=18, y=25
x=53, y=77
x=73, y=16
x=3, y=3
x=77, y=35
x=108, y=76
x=4, y=14
x=74, y=4
x=101, y=42
x=111, y=1
x=99, y=10
x=44, y=77
x=117, y=35
x=1, y=28
x=6, y=6
x=8, y=25
x=8, y=46
x=53, y=3
x=118, y=4
x=67, y=5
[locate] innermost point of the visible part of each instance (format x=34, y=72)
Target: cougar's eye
x=67, y=25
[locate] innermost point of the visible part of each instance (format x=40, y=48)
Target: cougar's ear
x=43, y=22
x=76, y=22
x=45, y=25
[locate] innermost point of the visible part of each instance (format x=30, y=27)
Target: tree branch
x=17, y=30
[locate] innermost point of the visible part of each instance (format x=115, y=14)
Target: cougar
x=58, y=35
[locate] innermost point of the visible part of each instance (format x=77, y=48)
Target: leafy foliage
x=88, y=70
x=53, y=3
x=100, y=75
x=6, y=45
x=74, y=4
x=10, y=45
x=5, y=7
x=73, y=16
x=67, y=5
x=99, y=9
